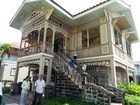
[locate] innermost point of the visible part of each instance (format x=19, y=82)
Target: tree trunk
x=0, y=64
x=0, y=61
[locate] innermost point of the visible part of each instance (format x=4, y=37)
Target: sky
x=9, y=7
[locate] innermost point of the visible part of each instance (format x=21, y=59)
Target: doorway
x=58, y=42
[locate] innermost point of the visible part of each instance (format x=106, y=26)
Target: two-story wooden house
x=100, y=37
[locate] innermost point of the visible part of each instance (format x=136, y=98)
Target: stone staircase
x=73, y=84
x=60, y=64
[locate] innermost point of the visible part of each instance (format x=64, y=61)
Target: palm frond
x=4, y=50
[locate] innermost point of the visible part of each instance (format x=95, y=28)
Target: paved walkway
x=13, y=99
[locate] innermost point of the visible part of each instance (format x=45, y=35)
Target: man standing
x=1, y=86
x=39, y=90
x=25, y=88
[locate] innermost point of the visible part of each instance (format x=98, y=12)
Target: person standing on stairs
x=75, y=59
x=72, y=66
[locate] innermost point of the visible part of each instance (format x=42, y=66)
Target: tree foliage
x=4, y=50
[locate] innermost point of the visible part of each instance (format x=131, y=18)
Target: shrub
x=132, y=100
x=131, y=88
x=132, y=93
x=6, y=89
x=7, y=83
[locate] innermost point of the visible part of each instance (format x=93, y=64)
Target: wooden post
x=41, y=66
x=49, y=72
x=16, y=74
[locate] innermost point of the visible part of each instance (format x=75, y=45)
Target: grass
x=64, y=101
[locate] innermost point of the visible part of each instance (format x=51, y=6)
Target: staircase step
x=116, y=104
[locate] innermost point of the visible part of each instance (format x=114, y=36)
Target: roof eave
x=121, y=2
x=19, y=9
x=93, y=9
x=67, y=14
x=54, y=4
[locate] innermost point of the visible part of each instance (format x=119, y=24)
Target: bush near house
x=132, y=93
x=7, y=85
x=132, y=99
x=6, y=89
x=64, y=101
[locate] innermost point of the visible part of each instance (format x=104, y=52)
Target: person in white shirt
x=24, y=92
x=39, y=90
x=1, y=87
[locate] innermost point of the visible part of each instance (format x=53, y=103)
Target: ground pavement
x=13, y=99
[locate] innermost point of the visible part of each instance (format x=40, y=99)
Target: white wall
x=7, y=72
x=23, y=72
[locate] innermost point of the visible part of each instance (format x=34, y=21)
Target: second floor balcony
x=125, y=55
x=42, y=47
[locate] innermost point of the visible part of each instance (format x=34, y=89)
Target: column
x=21, y=43
x=127, y=75
x=79, y=40
x=16, y=74
x=49, y=72
x=44, y=39
x=24, y=43
x=65, y=46
x=111, y=38
x=41, y=66
x=19, y=52
x=53, y=37
x=135, y=80
x=87, y=38
x=104, y=35
x=38, y=39
x=29, y=71
x=113, y=73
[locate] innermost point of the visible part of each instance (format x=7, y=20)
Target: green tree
x=4, y=50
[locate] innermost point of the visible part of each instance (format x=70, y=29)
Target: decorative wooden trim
x=33, y=61
x=98, y=63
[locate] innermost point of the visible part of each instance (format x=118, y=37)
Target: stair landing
x=116, y=104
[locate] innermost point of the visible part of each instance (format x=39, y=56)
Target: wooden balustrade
x=37, y=48
x=120, y=53
x=130, y=60
x=48, y=48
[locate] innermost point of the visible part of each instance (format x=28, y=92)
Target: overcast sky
x=9, y=7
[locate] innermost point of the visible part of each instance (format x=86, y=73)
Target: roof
x=91, y=13
x=15, y=45
x=81, y=11
x=97, y=10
